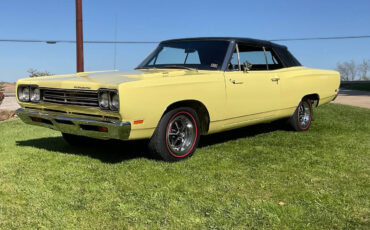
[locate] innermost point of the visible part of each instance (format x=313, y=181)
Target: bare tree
x=343, y=71
x=352, y=70
x=36, y=73
x=348, y=70
x=363, y=68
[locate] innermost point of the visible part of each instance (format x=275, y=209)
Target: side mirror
x=247, y=66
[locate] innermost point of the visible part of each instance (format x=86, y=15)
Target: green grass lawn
x=235, y=179
x=358, y=86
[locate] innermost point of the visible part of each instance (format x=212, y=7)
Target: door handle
x=236, y=82
x=275, y=79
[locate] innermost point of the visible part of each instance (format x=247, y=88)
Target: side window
x=234, y=59
x=255, y=56
x=272, y=60
x=269, y=57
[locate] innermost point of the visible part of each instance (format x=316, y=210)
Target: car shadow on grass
x=249, y=131
x=110, y=151
x=113, y=151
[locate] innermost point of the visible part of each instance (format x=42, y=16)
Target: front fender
x=148, y=100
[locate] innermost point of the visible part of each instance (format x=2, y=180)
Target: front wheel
x=177, y=135
x=302, y=117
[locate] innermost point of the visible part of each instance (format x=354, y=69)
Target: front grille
x=70, y=97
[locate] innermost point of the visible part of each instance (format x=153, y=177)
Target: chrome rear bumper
x=76, y=125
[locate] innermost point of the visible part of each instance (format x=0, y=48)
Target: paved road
x=353, y=97
x=347, y=97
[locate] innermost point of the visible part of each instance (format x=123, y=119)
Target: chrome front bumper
x=100, y=129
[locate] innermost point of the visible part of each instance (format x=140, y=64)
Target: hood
x=100, y=79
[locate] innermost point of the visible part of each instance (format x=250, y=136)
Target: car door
x=252, y=94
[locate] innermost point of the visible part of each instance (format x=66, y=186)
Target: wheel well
x=199, y=107
x=315, y=98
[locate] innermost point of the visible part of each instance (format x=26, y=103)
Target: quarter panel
x=297, y=82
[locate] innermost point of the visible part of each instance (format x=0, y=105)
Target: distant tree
x=348, y=70
x=363, y=69
x=1, y=86
x=36, y=73
x=343, y=71
x=351, y=69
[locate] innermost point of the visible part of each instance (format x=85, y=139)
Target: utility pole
x=79, y=37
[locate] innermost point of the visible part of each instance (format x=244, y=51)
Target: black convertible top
x=236, y=39
x=288, y=60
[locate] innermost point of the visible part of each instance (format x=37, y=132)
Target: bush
x=1, y=92
x=1, y=97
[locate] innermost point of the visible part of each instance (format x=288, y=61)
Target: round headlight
x=114, y=101
x=104, y=100
x=35, y=94
x=24, y=94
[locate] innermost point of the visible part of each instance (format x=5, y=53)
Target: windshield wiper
x=145, y=67
x=168, y=67
x=178, y=67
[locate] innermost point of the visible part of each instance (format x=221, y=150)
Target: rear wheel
x=177, y=135
x=302, y=117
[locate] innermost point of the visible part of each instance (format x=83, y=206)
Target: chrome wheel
x=304, y=114
x=181, y=134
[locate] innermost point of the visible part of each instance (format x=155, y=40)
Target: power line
x=72, y=41
x=320, y=38
x=156, y=42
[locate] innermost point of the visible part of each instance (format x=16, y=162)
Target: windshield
x=204, y=55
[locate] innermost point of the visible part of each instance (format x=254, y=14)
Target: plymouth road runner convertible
x=184, y=89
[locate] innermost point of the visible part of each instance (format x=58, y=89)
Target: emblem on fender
x=81, y=87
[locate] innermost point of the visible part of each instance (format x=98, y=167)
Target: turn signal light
x=102, y=129
x=36, y=119
x=137, y=122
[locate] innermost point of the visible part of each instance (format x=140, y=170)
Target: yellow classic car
x=184, y=89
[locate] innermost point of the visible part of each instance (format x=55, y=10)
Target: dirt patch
x=7, y=114
x=9, y=87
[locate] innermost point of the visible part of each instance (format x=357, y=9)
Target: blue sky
x=160, y=20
